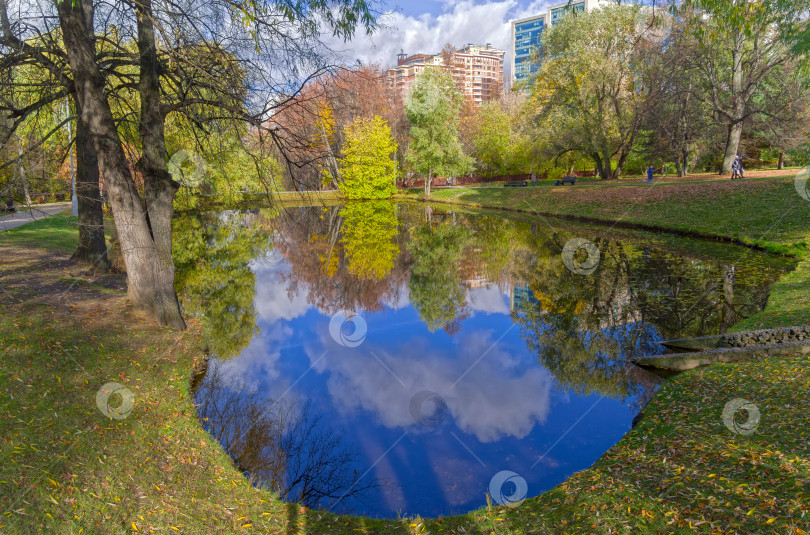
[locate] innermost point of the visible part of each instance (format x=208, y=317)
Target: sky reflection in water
x=477, y=350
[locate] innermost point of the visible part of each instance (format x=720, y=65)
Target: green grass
x=56, y=233
x=66, y=468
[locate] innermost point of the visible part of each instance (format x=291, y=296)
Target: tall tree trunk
x=732, y=146
x=427, y=184
x=685, y=164
x=21, y=175
x=617, y=172
x=607, y=166
x=148, y=288
x=25, y=188
x=336, y=179
x=600, y=169
x=738, y=104
x=159, y=188
x=91, y=247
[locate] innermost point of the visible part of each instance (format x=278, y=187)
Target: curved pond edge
x=654, y=416
x=656, y=428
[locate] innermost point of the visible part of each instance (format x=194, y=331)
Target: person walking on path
x=736, y=168
x=650, y=173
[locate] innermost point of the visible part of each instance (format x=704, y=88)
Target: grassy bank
x=766, y=213
x=66, y=468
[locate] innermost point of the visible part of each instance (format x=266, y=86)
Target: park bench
x=516, y=184
x=566, y=180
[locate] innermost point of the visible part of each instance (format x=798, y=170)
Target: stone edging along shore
x=776, y=336
x=732, y=347
x=689, y=361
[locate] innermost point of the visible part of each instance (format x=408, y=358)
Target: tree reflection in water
x=281, y=444
x=365, y=256
x=213, y=254
x=439, y=290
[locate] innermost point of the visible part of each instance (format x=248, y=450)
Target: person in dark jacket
x=650, y=173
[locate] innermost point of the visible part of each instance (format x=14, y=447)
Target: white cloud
x=272, y=300
x=399, y=300
x=490, y=398
x=489, y=299
x=259, y=361
x=460, y=23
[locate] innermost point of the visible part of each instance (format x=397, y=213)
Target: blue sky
x=427, y=25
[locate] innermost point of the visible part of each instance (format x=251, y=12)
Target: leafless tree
x=282, y=444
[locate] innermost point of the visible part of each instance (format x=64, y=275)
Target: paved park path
x=35, y=213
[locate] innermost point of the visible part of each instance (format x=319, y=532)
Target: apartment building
x=476, y=69
x=526, y=34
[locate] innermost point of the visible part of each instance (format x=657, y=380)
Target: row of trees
x=361, y=137
x=681, y=85
x=692, y=84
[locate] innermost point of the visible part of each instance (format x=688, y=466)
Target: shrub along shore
x=68, y=469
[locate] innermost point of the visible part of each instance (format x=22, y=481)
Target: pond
x=391, y=360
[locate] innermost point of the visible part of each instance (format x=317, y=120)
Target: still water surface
x=392, y=360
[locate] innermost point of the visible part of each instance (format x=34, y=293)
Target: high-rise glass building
x=525, y=38
x=526, y=34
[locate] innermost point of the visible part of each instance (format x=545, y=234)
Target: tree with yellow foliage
x=367, y=167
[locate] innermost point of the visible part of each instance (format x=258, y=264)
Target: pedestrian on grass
x=534, y=179
x=650, y=173
x=740, y=167
x=736, y=168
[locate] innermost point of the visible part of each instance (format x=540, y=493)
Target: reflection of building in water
x=618, y=308
x=521, y=298
x=477, y=281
